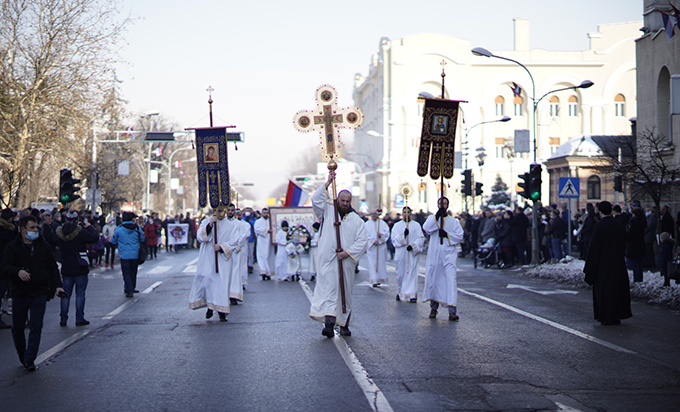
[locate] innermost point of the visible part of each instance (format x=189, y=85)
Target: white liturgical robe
x=327, y=300
x=281, y=255
x=376, y=254
x=440, y=270
x=265, y=248
x=313, y=248
x=243, y=254
x=407, y=261
x=213, y=289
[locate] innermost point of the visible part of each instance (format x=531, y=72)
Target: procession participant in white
x=408, y=240
x=265, y=249
x=281, y=256
x=243, y=254
x=313, y=248
x=234, y=244
x=211, y=289
x=378, y=232
x=293, y=251
x=440, y=272
x=326, y=303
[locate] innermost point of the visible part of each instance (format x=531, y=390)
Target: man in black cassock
x=606, y=270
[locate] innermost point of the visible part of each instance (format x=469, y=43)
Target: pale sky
x=265, y=59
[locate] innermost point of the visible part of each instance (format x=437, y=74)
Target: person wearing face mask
x=30, y=265
x=8, y=232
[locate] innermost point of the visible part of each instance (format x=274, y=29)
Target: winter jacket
x=151, y=232
x=520, y=223
x=108, y=230
x=8, y=231
x=37, y=260
x=128, y=237
x=665, y=253
x=557, y=229
x=72, y=239
x=635, y=239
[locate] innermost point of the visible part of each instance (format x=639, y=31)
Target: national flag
x=178, y=164
x=516, y=90
x=295, y=196
x=676, y=14
x=158, y=152
x=669, y=23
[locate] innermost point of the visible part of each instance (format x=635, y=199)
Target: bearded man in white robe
x=378, y=232
x=408, y=240
x=211, y=288
x=265, y=248
x=281, y=255
x=440, y=272
x=327, y=303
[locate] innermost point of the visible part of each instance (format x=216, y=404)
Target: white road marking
x=119, y=309
x=193, y=262
x=190, y=269
x=158, y=270
x=543, y=292
x=550, y=323
x=59, y=346
x=374, y=395
x=151, y=288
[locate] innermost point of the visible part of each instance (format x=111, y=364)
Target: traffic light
x=466, y=183
x=67, y=187
x=524, y=185
x=478, y=188
x=618, y=183
x=535, y=184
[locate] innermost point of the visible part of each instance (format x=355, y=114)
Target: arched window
x=619, y=105
x=593, y=187
x=500, y=103
x=573, y=106
x=554, y=106
x=517, y=102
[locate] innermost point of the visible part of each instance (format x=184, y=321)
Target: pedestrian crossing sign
x=569, y=187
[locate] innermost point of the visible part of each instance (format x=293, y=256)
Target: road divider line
x=374, y=395
x=193, y=262
x=60, y=346
x=151, y=288
x=550, y=323
x=119, y=309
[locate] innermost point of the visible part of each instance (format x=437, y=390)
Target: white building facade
x=386, y=144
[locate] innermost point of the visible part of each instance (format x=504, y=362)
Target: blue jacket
x=128, y=237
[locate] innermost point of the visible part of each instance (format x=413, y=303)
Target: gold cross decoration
x=326, y=119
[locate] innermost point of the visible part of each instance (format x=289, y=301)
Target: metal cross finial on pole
x=210, y=102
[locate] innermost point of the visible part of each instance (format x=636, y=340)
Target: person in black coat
x=557, y=232
x=520, y=225
x=503, y=233
x=8, y=232
x=587, y=228
x=73, y=236
x=606, y=271
x=636, y=250
x=29, y=263
x=667, y=223
x=650, y=236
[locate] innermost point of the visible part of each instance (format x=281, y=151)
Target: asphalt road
x=522, y=344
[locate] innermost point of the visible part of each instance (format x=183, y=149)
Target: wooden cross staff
x=326, y=119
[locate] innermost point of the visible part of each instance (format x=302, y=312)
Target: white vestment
x=293, y=252
x=440, y=271
x=214, y=289
x=377, y=268
x=407, y=261
x=243, y=254
x=265, y=249
x=281, y=256
x=313, y=247
x=327, y=299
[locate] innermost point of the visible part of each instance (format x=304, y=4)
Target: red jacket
x=151, y=231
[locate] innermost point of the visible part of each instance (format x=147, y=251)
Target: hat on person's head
x=605, y=207
x=128, y=216
x=35, y=213
x=284, y=224
x=7, y=214
x=72, y=214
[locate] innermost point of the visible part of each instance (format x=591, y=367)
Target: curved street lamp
x=467, y=131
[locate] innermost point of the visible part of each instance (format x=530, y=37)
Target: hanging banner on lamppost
x=522, y=141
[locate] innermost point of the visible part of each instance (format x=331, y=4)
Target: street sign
x=569, y=188
x=522, y=141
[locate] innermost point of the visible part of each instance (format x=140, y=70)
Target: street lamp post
x=480, y=51
x=148, y=115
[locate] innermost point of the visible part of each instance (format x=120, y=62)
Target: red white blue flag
x=516, y=90
x=669, y=25
x=295, y=196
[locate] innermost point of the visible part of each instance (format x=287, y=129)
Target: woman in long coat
x=635, y=243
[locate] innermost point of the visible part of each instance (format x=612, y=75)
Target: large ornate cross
x=326, y=119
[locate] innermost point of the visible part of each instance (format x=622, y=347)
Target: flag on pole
x=178, y=164
x=516, y=90
x=669, y=25
x=158, y=152
x=295, y=196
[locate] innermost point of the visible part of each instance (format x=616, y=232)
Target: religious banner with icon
x=213, y=167
x=440, y=118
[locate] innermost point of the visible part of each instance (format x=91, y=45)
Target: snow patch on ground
x=650, y=290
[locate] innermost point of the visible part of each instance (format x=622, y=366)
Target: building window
x=573, y=106
x=554, y=143
x=593, y=187
x=554, y=106
x=619, y=106
x=500, y=103
x=517, y=102
x=500, y=148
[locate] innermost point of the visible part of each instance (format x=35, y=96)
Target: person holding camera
x=73, y=236
x=29, y=263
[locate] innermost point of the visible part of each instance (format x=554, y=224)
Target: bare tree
x=56, y=58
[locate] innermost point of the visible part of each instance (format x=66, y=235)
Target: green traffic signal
x=67, y=186
x=535, y=182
